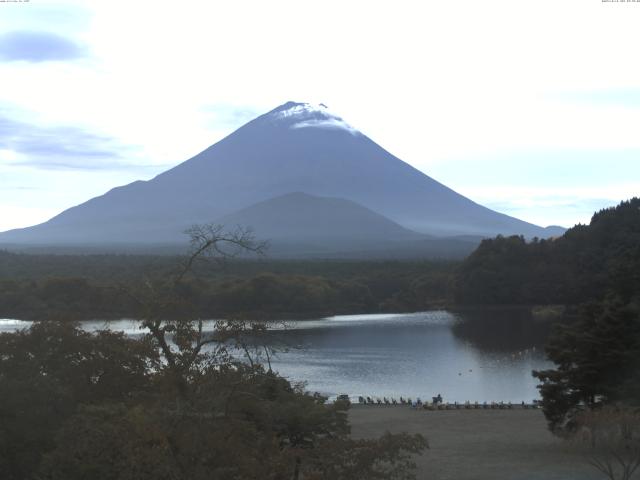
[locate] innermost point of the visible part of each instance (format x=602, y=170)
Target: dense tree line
x=585, y=264
x=125, y=267
x=95, y=287
x=596, y=350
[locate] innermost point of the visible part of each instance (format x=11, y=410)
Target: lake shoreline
x=539, y=312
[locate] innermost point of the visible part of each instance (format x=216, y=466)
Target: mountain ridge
x=296, y=147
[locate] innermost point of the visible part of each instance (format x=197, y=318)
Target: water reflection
x=501, y=329
x=415, y=355
x=473, y=355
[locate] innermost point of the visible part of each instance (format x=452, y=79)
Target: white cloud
x=565, y=206
x=18, y=216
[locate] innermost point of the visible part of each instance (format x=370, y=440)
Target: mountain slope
x=294, y=148
x=299, y=216
x=302, y=225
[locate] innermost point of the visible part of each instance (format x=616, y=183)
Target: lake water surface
x=485, y=356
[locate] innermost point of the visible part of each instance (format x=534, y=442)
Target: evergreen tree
x=596, y=357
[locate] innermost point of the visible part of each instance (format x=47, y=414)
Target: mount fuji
x=298, y=173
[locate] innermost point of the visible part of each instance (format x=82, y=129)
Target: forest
x=80, y=287
x=586, y=263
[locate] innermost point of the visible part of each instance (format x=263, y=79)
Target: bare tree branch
x=211, y=240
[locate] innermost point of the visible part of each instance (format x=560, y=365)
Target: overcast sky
x=531, y=108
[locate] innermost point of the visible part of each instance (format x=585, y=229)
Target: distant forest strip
x=79, y=287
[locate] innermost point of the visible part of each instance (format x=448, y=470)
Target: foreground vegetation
x=76, y=405
x=175, y=403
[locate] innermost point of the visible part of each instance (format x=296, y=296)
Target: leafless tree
x=214, y=241
x=171, y=320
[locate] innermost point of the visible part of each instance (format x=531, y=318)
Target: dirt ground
x=478, y=444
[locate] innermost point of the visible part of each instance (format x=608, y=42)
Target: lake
x=476, y=355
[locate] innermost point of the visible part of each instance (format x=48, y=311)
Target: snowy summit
x=309, y=115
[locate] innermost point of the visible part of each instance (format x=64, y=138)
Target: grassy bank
x=478, y=444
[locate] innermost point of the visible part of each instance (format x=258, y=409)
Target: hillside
x=319, y=220
x=586, y=263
